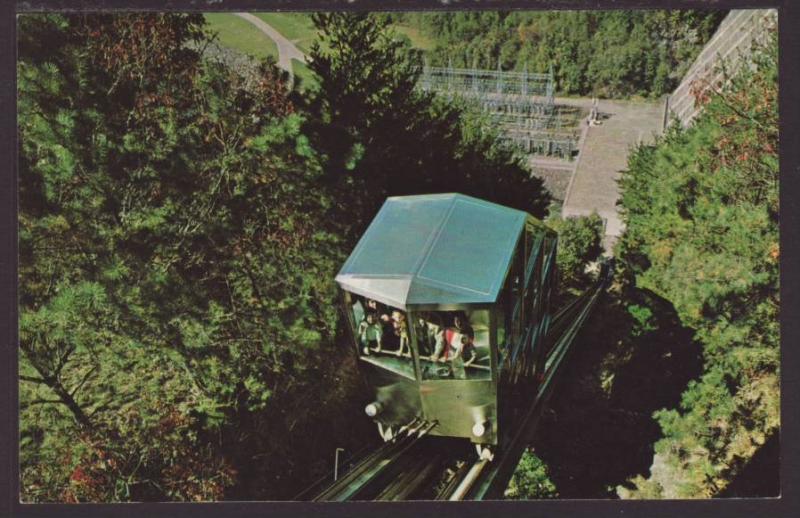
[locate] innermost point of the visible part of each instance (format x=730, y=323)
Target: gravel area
x=555, y=179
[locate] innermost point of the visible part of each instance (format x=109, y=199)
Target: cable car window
x=381, y=335
x=502, y=342
x=532, y=240
x=454, y=344
x=512, y=300
x=533, y=275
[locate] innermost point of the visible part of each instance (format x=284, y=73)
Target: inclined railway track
x=374, y=474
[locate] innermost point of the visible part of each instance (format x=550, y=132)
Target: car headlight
x=372, y=409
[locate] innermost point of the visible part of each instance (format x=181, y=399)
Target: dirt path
x=287, y=51
x=604, y=154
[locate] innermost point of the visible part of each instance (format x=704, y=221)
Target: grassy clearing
x=308, y=79
x=242, y=36
x=299, y=28
x=239, y=34
x=296, y=27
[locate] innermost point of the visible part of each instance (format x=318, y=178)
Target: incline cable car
x=447, y=297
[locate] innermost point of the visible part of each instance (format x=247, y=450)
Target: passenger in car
x=451, y=345
x=463, y=357
x=443, y=346
x=390, y=339
x=372, y=306
x=430, y=333
x=458, y=349
x=369, y=333
x=462, y=325
x=401, y=331
x=422, y=331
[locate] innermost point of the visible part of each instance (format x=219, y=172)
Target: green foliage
x=701, y=207
x=180, y=229
x=643, y=318
x=608, y=53
x=579, y=243
x=380, y=136
x=170, y=280
x=238, y=33
x=530, y=480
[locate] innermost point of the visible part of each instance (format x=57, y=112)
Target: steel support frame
x=522, y=103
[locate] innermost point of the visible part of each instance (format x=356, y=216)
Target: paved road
x=286, y=49
x=603, y=155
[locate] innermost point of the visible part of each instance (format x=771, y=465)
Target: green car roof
x=434, y=250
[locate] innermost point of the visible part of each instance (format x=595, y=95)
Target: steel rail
x=392, y=467
x=357, y=474
x=424, y=468
x=454, y=482
x=469, y=480
x=362, y=478
x=354, y=459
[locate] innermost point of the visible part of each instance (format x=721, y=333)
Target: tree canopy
x=701, y=208
x=606, y=53
x=181, y=223
x=180, y=228
x=380, y=136
x=165, y=266
x=677, y=371
x=579, y=244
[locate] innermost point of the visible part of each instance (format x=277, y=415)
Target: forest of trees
x=674, y=390
x=701, y=207
x=604, y=53
x=678, y=371
x=180, y=227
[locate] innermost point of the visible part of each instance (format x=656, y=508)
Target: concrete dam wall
x=730, y=44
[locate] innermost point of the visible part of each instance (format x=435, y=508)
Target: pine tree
x=381, y=136
x=170, y=281
x=701, y=208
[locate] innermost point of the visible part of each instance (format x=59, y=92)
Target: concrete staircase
x=604, y=153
